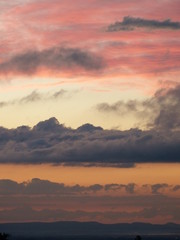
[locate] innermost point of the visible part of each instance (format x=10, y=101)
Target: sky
x=90, y=110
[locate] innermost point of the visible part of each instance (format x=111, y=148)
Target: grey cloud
x=131, y=23
x=100, y=164
x=38, y=187
x=121, y=107
x=157, y=187
x=3, y=104
x=176, y=188
x=36, y=96
x=113, y=187
x=88, y=128
x=130, y=188
x=59, y=93
x=8, y=186
x=161, y=111
x=32, y=97
x=51, y=125
x=51, y=142
x=95, y=187
x=54, y=59
x=169, y=108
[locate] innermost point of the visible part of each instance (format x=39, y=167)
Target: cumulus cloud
x=130, y=188
x=51, y=142
x=131, y=23
x=157, y=187
x=176, y=188
x=37, y=186
x=53, y=59
x=88, y=128
x=162, y=111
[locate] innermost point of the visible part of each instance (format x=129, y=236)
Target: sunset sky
x=90, y=110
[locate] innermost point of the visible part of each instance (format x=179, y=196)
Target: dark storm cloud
x=51, y=142
x=162, y=111
x=54, y=59
x=131, y=23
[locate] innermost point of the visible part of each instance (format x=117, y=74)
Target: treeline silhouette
x=4, y=236
x=138, y=238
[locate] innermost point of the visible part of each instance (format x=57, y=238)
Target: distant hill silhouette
x=87, y=228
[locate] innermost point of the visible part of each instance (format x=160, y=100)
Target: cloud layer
x=146, y=214
x=131, y=23
x=42, y=200
x=51, y=142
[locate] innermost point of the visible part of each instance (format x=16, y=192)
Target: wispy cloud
x=36, y=96
x=131, y=23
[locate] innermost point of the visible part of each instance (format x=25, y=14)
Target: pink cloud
x=45, y=24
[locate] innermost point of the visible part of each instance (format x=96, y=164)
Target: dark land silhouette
x=89, y=230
